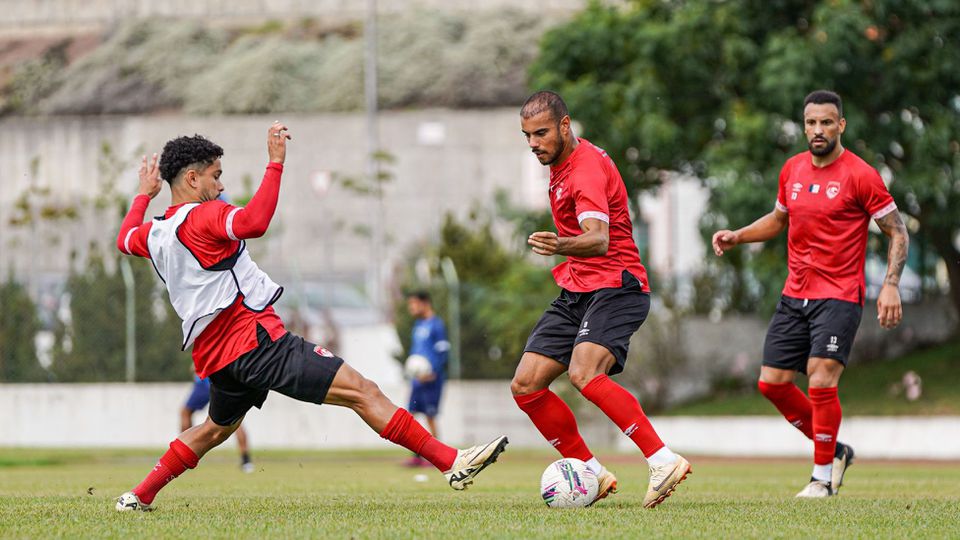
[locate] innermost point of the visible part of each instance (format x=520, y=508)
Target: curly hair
x=182, y=152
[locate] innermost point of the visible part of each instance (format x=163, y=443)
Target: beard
x=551, y=159
x=825, y=150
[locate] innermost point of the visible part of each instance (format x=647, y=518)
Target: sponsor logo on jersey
x=833, y=189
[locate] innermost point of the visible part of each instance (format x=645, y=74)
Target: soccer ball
x=417, y=366
x=568, y=483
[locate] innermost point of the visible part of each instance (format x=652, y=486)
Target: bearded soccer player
x=198, y=247
x=604, y=300
x=826, y=199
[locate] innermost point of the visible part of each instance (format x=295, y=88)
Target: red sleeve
x=588, y=183
x=132, y=239
x=874, y=197
x=782, y=189
x=252, y=220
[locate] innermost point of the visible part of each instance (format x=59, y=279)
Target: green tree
x=18, y=327
x=715, y=88
x=502, y=294
x=91, y=346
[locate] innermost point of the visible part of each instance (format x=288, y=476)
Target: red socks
x=172, y=464
x=792, y=404
x=625, y=411
x=556, y=423
x=826, y=423
x=404, y=430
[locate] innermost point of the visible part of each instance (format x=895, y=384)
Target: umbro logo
x=823, y=437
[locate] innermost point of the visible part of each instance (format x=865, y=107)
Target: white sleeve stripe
x=593, y=215
x=230, y=223
x=442, y=346
x=885, y=210
x=126, y=241
x=781, y=207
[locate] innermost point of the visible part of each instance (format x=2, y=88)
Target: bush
x=19, y=325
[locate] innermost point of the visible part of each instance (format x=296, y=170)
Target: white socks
x=822, y=472
x=662, y=457
x=594, y=465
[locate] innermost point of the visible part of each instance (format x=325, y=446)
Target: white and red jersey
x=587, y=185
x=212, y=232
x=829, y=210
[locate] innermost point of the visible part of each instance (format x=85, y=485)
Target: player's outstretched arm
x=594, y=241
x=761, y=230
x=253, y=220
x=889, y=308
x=150, y=184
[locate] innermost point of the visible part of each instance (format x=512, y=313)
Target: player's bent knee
x=521, y=386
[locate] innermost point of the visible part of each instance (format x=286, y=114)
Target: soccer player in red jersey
x=604, y=300
x=827, y=197
x=198, y=248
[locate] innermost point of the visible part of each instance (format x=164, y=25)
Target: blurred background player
x=197, y=400
x=827, y=197
x=225, y=302
x=604, y=299
x=428, y=339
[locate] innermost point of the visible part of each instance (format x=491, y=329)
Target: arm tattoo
x=892, y=226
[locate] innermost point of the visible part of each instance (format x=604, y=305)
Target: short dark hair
x=182, y=152
x=421, y=295
x=819, y=97
x=544, y=100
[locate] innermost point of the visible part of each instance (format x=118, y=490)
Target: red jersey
x=829, y=210
x=212, y=232
x=587, y=185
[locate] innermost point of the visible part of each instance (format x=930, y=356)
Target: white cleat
x=471, y=461
x=607, y=483
x=816, y=489
x=248, y=467
x=842, y=459
x=664, y=480
x=128, y=502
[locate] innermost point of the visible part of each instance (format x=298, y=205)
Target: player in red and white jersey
x=827, y=197
x=198, y=248
x=604, y=300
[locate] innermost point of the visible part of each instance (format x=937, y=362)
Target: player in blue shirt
x=428, y=339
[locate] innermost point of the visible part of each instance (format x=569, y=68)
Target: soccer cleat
x=664, y=480
x=471, y=461
x=842, y=458
x=608, y=484
x=129, y=502
x=816, y=489
x=248, y=467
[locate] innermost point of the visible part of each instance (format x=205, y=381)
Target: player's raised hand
x=889, y=309
x=724, y=240
x=277, y=137
x=150, y=182
x=544, y=243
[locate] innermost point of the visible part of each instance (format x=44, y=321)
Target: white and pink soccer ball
x=568, y=483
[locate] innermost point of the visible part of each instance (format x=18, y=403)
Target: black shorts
x=289, y=365
x=607, y=317
x=801, y=329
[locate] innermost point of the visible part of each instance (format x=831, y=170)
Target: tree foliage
x=91, y=345
x=18, y=326
x=715, y=89
x=502, y=294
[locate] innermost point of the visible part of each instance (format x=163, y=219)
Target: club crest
x=833, y=189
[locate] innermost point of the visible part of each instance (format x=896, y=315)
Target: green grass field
x=864, y=389
x=367, y=495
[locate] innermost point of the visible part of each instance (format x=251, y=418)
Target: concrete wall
x=145, y=415
x=445, y=161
